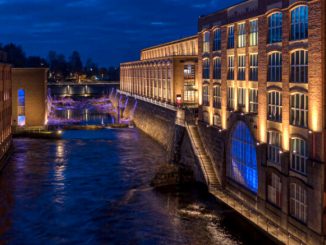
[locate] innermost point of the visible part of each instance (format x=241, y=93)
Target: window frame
x=299, y=113
x=299, y=60
x=298, y=160
x=275, y=63
x=275, y=106
x=275, y=28
x=299, y=23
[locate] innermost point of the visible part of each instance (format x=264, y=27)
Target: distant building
x=29, y=96
x=5, y=106
x=165, y=72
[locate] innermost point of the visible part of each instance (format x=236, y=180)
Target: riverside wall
x=159, y=123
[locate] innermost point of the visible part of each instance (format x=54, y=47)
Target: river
x=92, y=187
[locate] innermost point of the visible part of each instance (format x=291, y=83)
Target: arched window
x=205, y=95
x=231, y=37
x=275, y=106
x=254, y=33
x=299, y=66
x=217, y=68
x=217, y=40
x=21, y=108
x=230, y=67
x=242, y=67
x=299, y=110
x=243, y=165
x=275, y=67
x=253, y=100
x=274, y=189
x=275, y=28
x=217, y=98
x=299, y=23
x=299, y=155
x=206, y=42
x=274, y=147
x=231, y=98
x=241, y=35
x=298, y=202
x=206, y=68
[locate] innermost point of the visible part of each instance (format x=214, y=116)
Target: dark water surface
x=93, y=188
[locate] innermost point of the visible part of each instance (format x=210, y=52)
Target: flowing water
x=92, y=187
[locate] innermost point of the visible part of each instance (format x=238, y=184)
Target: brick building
x=262, y=87
x=5, y=106
x=164, y=72
x=29, y=92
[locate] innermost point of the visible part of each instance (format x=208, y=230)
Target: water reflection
x=93, y=187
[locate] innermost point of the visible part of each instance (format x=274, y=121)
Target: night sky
x=109, y=31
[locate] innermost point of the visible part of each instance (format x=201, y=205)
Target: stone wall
x=155, y=121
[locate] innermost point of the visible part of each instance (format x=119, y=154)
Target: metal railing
x=149, y=100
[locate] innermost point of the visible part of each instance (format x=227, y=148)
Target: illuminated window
x=275, y=106
x=274, y=189
x=242, y=67
x=275, y=67
x=253, y=100
x=253, y=72
x=275, y=28
x=21, y=108
x=217, y=68
x=298, y=202
x=231, y=100
x=254, y=33
x=231, y=67
x=206, y=68
x=217, y=40
x=206, y=42
x=243, y=166
x=299, y=23
x=299, y=155
x=299, y=66
x=217, y=97
x=299, y=110
x=241, y=97
x=231, y=37
x=274, y=147
x=242, y=35
x=205, y=95
x=189, y=83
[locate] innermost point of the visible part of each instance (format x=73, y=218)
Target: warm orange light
x=315, y=119
x=286, y=143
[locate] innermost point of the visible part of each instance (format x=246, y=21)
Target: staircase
x=204, y=160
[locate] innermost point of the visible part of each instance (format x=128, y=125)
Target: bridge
x=68, y=89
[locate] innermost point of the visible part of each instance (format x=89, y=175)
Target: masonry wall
x=34, y=82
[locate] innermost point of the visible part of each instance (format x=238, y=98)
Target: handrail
x=149, y=100
x=198, y=155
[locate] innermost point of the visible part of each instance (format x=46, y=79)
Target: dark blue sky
x=109, y=31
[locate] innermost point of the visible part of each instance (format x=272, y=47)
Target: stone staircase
x=204, y=160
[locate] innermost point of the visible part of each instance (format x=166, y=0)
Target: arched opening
x=21, y=108
x=242, y=167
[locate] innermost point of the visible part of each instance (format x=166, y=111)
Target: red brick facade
x=312, y=229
